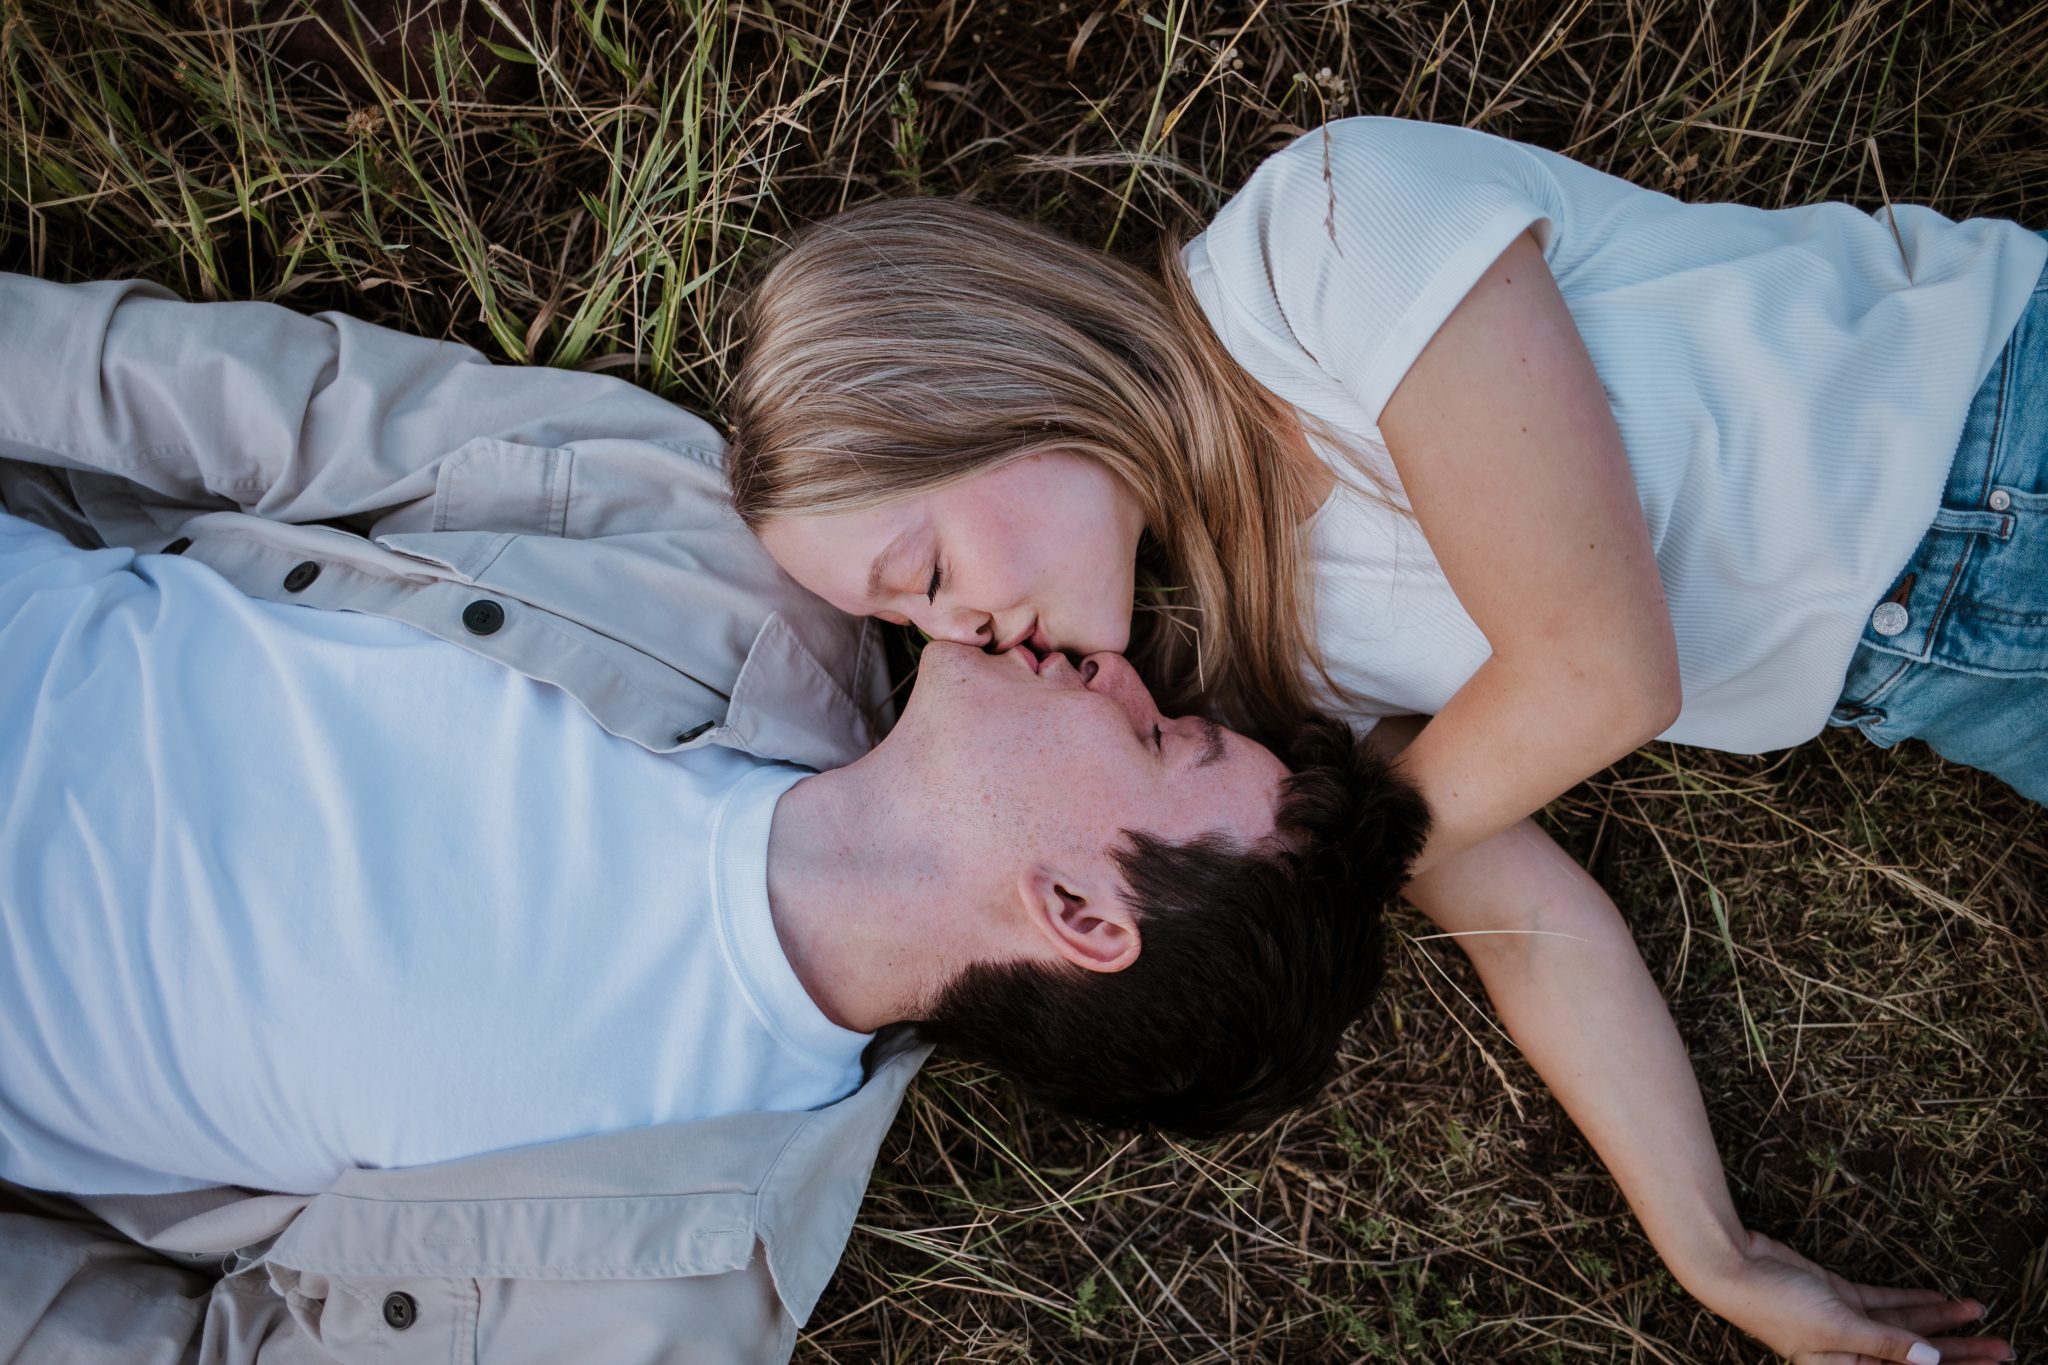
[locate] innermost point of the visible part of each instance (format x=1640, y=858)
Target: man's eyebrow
x=1212, y=743
x=881, y=565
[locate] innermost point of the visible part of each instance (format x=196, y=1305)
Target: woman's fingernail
x=1923, y=1354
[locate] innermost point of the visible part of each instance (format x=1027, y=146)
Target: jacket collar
x=775, y=710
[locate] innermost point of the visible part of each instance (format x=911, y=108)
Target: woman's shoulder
x=1356, y=191
x=1364, y=151
x=1363, y=234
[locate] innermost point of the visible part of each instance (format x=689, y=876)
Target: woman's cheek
x=1123, y=601
x=1109, y=615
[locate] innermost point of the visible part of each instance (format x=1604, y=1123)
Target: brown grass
x=1853, y=941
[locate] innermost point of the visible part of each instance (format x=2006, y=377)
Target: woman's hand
x=1814, y=1317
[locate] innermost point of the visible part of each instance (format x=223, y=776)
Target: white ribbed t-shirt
x=286, y=891
x=1790, y=385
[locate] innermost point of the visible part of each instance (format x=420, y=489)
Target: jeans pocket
x=1997, y=622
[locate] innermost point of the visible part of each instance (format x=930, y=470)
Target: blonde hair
x=908, y=344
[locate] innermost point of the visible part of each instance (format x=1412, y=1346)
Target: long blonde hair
x=912, y=343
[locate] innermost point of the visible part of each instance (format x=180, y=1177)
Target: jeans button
x=1890, y=618
x=2000, y=499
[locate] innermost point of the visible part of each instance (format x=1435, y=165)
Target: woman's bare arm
x=1513, y=464
x=1572, y=990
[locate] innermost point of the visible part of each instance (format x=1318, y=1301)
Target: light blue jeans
x=1965, y=665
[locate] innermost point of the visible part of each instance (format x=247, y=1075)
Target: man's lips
x=1029, y=635
x=1048, y=664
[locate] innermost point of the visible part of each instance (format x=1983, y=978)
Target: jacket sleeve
x=254, y=407
x=81, y=1294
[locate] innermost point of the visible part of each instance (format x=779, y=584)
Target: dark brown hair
x=1252, y=963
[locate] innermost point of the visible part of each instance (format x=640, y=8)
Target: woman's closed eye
x=1158, y=741
x=931, y=590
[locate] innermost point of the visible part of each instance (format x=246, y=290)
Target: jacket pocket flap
x=492, y=485
x=464, y=554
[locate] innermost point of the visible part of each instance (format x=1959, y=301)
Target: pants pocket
x=1997, y=620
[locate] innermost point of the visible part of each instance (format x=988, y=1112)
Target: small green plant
x=909, y=139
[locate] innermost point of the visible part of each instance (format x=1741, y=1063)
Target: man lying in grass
x=524, y=1024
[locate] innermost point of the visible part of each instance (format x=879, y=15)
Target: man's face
x=1019, y=759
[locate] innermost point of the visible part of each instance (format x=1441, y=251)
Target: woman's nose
x=961, y=627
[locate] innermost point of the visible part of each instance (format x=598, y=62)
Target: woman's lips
x=1029, y=635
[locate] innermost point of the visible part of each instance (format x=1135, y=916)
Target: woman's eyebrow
x=1212, y=743
x=881, y=565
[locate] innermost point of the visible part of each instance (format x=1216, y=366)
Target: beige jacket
x=414, y=480
x=572, y=527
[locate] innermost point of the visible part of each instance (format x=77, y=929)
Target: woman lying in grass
x=1429, y=424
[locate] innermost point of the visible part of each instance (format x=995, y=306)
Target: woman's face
x=1041, y=551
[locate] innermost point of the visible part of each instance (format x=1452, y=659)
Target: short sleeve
x=1352, y=245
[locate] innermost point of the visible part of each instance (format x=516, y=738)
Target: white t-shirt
x=285, y=891
x=1789, y=387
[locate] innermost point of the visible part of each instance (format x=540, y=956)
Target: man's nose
x=1113, y=676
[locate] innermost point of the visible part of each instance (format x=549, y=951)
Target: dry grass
x=1853, y=942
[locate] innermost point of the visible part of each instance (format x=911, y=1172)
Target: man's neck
x=832, y=870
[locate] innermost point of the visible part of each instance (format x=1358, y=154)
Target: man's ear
x=1083, y=917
